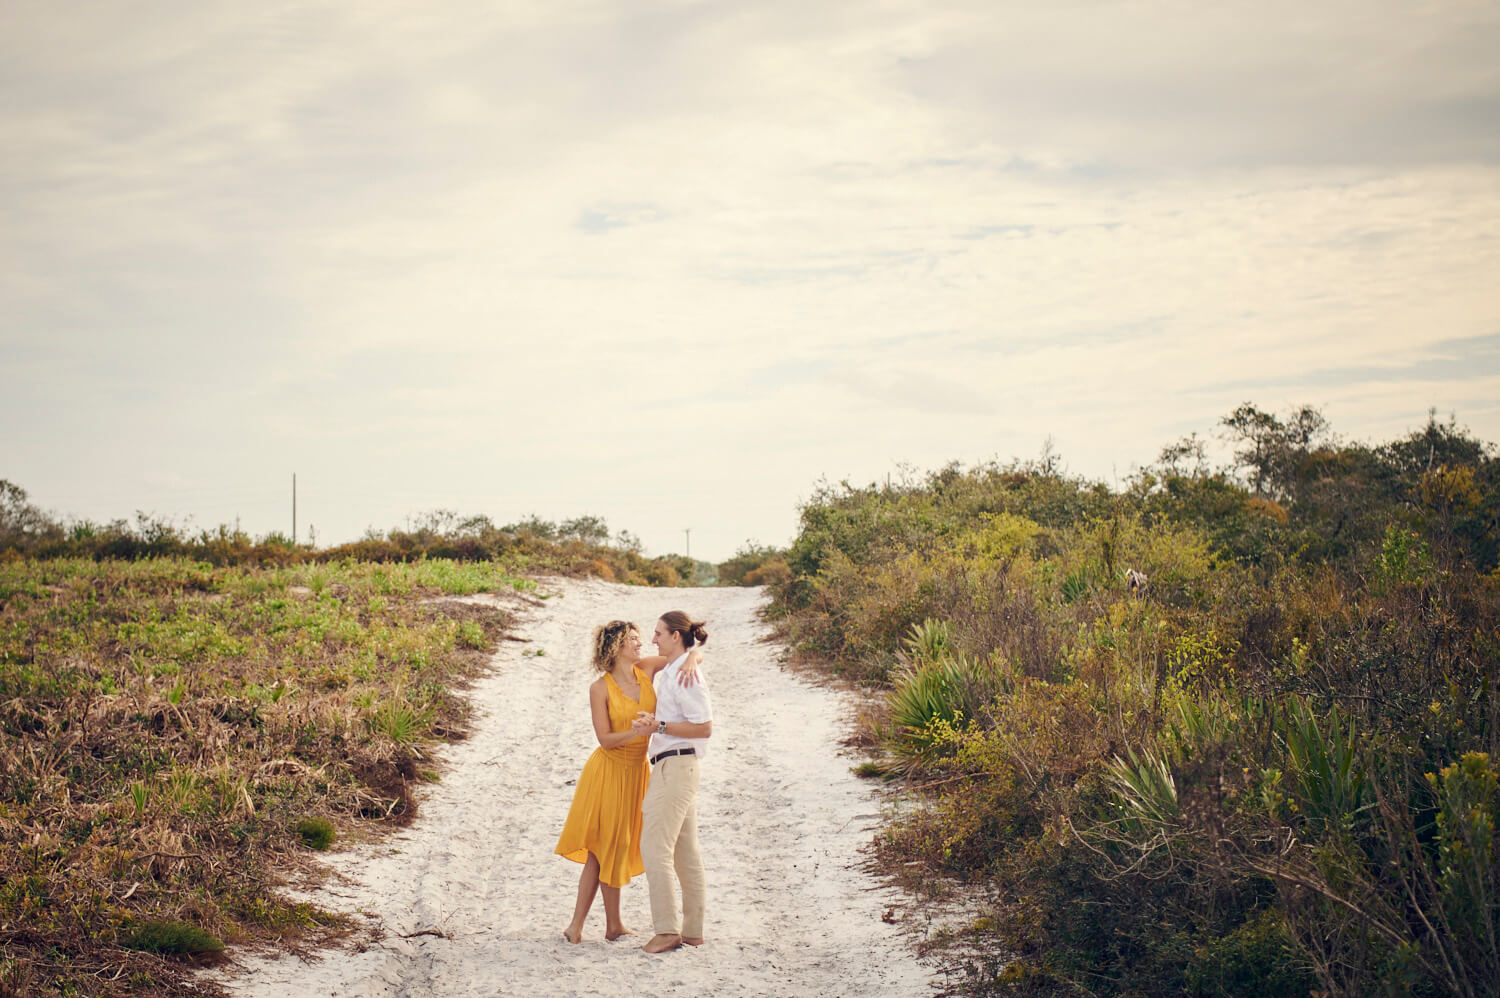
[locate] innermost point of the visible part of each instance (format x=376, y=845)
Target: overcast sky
x=670, y=263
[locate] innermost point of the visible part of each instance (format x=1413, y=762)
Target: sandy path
x=781, y=823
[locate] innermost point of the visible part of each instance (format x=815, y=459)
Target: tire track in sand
x=781, y=822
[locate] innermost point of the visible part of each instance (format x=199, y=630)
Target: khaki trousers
x=669, y=842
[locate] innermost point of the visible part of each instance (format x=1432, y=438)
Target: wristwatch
x=661, y=727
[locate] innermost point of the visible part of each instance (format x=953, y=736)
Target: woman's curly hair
x=609, y=640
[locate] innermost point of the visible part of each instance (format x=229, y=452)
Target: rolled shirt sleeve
x=693, y=701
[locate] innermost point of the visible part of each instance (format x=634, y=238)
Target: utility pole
x=688, y=533
x=294, y=509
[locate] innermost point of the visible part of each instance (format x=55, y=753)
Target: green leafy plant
x=929, y=641
x=471, y=635
x=1324, y=769
x=936, y=695
x=170, y=937
x=399, y=720
x=1468, y=864
x=1405, y=558
x=1144, y=786
x=316, y=833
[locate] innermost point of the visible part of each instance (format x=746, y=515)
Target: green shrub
x=399, y=719
x=1468, y=864
x=471, y=635
x=316, y=833
x=936, y=695
x=926, y=709
x=929, y=641
x=754, y=565
x=1259, y=958
x=170, y=937
x=1404, y=560
x=1324, y=768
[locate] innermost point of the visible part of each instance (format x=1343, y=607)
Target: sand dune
x=781, y=818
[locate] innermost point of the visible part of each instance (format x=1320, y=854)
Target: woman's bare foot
x=573, y=937
x=693, y=940
x=613, y=934
x=663, y=941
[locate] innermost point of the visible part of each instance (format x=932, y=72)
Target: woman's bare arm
x=686, y=675
x=652, y=664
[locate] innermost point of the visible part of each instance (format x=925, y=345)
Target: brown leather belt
x=671, y=752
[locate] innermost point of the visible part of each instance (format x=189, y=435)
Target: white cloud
x=503, y=258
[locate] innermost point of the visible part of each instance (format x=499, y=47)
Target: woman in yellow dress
x=603, y=828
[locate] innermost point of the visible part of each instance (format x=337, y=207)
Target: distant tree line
x=582, y=545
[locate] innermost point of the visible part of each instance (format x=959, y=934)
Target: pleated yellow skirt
x=605, y=818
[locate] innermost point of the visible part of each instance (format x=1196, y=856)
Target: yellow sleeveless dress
x=605, y=818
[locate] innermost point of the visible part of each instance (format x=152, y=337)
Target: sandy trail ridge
x=781, y=819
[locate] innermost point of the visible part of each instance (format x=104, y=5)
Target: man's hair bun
x=692, y=631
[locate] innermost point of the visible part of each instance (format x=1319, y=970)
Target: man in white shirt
x=680, y=730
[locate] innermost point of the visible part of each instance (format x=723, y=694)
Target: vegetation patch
x=171, y=938
x=316, y=833
x=1225, y=731
x=173, y=735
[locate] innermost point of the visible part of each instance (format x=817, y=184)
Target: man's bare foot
x=572, y=937
x=693, y=940
x=663, y=941
x=614, y=934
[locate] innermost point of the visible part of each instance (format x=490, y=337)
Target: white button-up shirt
x=675, y=702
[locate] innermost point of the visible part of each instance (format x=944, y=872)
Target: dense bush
x=1225, y=731
x=754, y=565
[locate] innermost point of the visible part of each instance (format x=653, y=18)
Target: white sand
x=781, y=819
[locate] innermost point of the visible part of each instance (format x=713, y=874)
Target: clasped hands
x=644, y=723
